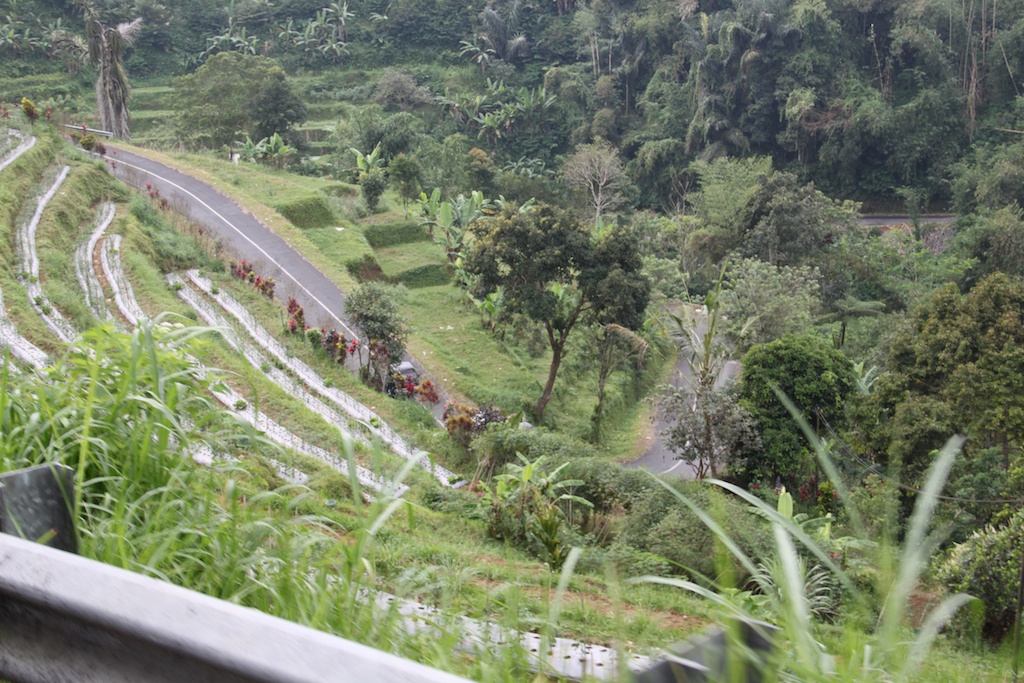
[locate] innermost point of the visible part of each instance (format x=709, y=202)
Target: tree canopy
x=815, y=377
x=233, y=95
x=554, y=272
x=956, y=366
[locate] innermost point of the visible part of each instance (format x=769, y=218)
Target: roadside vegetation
x=553, y=213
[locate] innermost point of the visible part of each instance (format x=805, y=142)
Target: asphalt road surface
x=658, y=458
x=242, y=235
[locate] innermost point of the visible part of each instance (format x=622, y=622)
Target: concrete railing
x=67, y=618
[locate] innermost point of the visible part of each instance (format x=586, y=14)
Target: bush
x=661, y=524
x=987, y=566
x=627, y=562
x=500, y=443
x=372, y=183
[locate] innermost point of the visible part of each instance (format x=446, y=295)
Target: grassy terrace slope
x=443, y=557
x=447, y=334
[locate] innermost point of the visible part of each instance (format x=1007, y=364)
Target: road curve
x=241, y=234
x=244, y=236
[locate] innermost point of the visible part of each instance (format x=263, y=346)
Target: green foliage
x=276, y=108
x=171, y=249
x=524, y=506
x=725, y=187
x=389, y=234
x=398, y=88
x=788, y=590
x=787, y=223
x=661, y=525
x=372, y=184
x=232, y=94
x=428, y=275
x=955, y=367
x=995, y=241
x=365, y=269
x=309, y=212
x=405, y=172
x=762, y=302
x=374, y=308
x=500, y=442
x=710, y=430
x=815, y=377
x=987, y=566
x=552, y=272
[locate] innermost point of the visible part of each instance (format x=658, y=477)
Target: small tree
x=372, y=183
x=374, y=307
x=816, y=377
x=405, y=171
x=553, y=271
x=711, y=429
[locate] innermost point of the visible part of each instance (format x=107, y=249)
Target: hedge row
x=390, y=234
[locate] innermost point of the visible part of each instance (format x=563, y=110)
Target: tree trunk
x=557, y=346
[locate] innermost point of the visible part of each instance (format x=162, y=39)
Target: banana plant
x=278, y=151
x=367, y=162
x=251, y=151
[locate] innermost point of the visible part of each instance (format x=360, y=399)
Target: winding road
x=244, y=235
x=241, y=234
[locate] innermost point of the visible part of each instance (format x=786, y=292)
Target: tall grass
x=123, y=410
x=874, y=640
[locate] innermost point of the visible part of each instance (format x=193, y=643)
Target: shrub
x=662, y=525
x=372, y=183
x=627, y=562
x=987, y=566
x=30, y=109
x=500, y=443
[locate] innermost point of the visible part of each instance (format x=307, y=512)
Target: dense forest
x=611, y=183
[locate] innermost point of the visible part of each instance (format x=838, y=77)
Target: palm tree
x=848, y=308
x=500, y=31
x=106, y=49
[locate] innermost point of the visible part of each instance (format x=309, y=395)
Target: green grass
x=402, y=257
x=222, y=532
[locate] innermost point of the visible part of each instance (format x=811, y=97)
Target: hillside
x=562, y=220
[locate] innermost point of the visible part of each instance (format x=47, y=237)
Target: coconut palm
x=106, y=49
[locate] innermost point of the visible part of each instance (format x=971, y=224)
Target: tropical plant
x=791, y=610
x=106, y=52
x=524, y=505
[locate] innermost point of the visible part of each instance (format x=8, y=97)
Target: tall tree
x=596, y=170
x=106, y=52
x=957, y=365
x=817, y=379
x=553, y=271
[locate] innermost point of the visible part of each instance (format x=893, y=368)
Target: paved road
x=658, y=458
x=242, y=235
x=897, y=219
